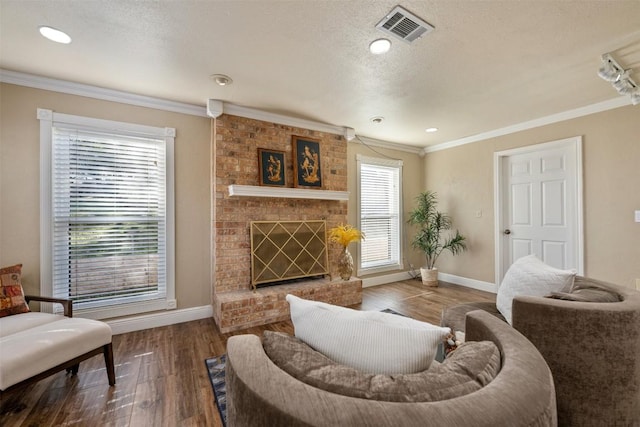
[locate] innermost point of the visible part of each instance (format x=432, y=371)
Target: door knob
x=507, y=231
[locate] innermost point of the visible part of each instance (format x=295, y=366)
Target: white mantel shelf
x=289, y=193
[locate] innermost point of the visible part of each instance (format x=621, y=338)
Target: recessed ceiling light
x=430, y=130
x=377, y=119
x=221, y=79
x=54, y=35
x=379, y=46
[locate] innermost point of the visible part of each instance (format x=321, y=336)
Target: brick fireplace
x=235, y=162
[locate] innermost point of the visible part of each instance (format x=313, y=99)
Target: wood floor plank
x=151, y=405
x=49, y=405
x=161, y=378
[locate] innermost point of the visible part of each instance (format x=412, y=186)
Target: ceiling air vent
x=404, y=25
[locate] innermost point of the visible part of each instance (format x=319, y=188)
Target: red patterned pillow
x=11, y=294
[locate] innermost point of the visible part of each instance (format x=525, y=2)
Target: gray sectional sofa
x=592, y=348
x=260, y=393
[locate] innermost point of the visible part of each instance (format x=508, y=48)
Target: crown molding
x=386, y=144
x=95, y=92
x=542, y=121
x=254, y=113
x=72, y=88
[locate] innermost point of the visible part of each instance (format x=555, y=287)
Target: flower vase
x=345, y=264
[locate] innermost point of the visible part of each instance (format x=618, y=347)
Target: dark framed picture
x=271, y=165
x=307, y=171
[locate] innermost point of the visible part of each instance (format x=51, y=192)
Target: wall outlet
x=638, y=284
x=637, y=216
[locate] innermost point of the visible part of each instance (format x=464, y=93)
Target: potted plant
x=345, y=234
x=430, y=237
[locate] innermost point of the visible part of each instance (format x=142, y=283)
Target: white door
x=539, y=208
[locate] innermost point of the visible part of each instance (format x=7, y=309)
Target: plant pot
x=429, y=276
x=345, y=264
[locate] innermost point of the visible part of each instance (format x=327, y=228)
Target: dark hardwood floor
x=161, y=378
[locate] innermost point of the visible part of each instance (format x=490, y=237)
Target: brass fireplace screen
x=284, y=250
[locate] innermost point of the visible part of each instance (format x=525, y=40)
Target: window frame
x=387, y=163
x=49, y=119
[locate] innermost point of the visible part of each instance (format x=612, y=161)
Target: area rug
x=215, y=367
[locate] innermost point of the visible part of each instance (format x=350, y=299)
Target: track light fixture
x=619, y=78
x=610, y=70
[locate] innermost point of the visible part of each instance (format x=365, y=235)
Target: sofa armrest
x=67, y=304
x=592, y=350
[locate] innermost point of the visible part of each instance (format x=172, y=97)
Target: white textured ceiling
x=487, y=65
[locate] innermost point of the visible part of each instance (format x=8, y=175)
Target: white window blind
x=379, y=205
x=110, y=226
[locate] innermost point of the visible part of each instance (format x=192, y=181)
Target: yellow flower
x=345, y=234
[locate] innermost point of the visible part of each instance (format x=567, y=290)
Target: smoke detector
x=404, y=25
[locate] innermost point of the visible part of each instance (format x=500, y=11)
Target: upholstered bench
x=34, y=345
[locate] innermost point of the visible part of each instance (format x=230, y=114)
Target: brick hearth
x=247, y=308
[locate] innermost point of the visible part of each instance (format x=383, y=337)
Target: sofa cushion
x=532, y=277
x=48, y=345
x=586, y=295
x=11, y=294
x=20, y=322
x=589, y=290
x=374, y=342
x=472, y=366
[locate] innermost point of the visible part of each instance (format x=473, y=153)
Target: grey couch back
x=593, y=350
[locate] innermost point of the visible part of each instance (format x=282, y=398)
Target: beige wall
x=463, y=178
x=412, y=185
x=19, y=183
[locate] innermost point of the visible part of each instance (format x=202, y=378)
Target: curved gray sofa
x=522, y=394
x=592, y=349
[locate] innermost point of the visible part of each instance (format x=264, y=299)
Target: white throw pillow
x=530, y=276
x=371, y=341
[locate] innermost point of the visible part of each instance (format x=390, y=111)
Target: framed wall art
x=271, y=165
x=306, y=162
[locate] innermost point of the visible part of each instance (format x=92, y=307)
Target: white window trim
x=360, y=159
x=47, y=119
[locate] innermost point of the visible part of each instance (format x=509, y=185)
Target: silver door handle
x=507, y=231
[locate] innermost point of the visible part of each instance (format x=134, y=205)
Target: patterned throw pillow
x=11, y=294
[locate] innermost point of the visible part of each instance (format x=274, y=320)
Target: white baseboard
x=154, y=320
x=469, y=283
x=387, y=278
x=445, y=277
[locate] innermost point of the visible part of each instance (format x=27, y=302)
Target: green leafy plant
x=432, y=224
